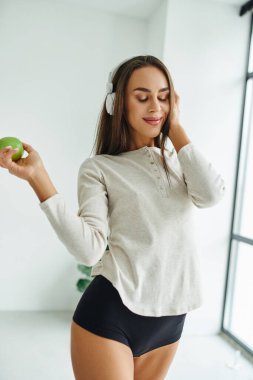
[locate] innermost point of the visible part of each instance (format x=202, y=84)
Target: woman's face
x=147, y=97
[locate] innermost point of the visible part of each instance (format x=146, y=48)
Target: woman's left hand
x=174, y=120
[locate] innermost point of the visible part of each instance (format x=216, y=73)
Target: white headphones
x=110, y=97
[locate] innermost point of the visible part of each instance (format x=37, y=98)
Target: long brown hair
x=113, y=132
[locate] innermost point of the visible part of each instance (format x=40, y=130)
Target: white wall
x=156, y=32
x=205, y=50
x=54, y=63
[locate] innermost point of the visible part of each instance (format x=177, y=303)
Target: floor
x=36, y=345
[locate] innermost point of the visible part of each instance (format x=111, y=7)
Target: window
x=238, y=303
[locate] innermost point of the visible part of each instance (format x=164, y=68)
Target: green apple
x=15, y=143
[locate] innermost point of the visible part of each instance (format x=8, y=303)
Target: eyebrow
x=147, y=90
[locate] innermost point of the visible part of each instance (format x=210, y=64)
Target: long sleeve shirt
x=126, y=202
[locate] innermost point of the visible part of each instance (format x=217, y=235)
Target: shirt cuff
x=185, y=149
x=50, y=201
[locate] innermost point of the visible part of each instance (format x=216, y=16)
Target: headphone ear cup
x=110, y=103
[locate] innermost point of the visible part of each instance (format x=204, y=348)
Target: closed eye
x=162, y=100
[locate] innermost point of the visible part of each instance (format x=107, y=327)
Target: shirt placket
x=159, y=180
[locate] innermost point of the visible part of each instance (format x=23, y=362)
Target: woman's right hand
x=23, y=168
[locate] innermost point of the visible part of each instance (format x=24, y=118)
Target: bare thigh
x=95, y=357
x=154, y=364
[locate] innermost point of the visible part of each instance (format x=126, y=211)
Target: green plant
x=83, y=283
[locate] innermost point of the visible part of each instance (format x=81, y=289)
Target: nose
x=154, y=105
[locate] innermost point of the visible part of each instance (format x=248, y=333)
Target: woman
x=138, y=197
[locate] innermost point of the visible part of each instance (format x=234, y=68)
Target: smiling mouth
x=153, y=121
